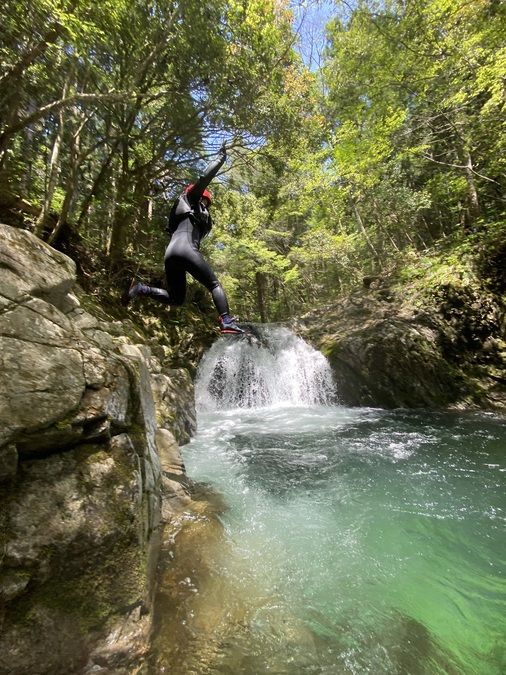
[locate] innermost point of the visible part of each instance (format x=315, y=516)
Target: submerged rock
x=84, y=416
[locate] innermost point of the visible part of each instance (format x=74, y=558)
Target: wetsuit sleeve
x=203, y=181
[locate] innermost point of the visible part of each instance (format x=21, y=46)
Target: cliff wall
x=90, y=471
x=394, y=347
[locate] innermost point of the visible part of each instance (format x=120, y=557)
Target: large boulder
x=89, y=471
x=387, y=352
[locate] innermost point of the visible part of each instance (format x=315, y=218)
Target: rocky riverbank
x=393, y=346
x=90, y=471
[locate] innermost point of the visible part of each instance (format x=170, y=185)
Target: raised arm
x=211, y=170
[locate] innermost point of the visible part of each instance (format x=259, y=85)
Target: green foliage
x=395, y=145
x=405, y=158
x=462, y=264
x=135, y=95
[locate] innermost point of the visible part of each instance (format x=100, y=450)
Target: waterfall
x=279, y=369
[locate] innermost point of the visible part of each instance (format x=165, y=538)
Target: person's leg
x=200, y=270
x=175, y=273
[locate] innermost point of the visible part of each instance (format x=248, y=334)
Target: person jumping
x=189, y=222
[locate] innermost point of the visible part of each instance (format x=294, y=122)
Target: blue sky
x=311, y=17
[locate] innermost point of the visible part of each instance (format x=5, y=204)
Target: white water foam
x=279, y=370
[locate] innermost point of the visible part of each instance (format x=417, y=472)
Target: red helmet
x=205, y=194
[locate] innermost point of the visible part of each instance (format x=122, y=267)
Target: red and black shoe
x=228, y=325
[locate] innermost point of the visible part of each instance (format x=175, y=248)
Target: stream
x=327, y=539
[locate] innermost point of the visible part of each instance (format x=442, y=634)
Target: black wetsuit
x=189, y=223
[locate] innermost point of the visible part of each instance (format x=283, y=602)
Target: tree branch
x=460, y=166
x=56, y=105
x=29, y=57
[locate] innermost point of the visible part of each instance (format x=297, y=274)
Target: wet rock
x=83, y=493
x=41, y=384
x=124, y=647
x=175, y=403
x=171, y=461
x=176, y=498
x=391, y=354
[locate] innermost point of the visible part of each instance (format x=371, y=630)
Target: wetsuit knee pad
x=214, y=285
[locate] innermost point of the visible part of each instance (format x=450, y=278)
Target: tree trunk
x=54, y=165
x=426, y=225
x=29, y=152
x=68, y=202
x=70, y=191
x=261, y=283
x=71, y=187
x=97, y=184
x=384, y=230
x=473, y=210
x=472, y=192
x=363, y=230
x=122, y=214
x=111, y=213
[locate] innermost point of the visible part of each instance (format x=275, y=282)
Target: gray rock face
x=173, y=392
x=89, y=471
x=385, y=354
x=31, y=267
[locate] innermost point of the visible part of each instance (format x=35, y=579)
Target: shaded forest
x=387, y=156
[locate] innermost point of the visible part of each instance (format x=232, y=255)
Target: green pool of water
x=351, y=541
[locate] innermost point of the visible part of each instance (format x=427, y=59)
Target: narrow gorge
x=291, y=531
